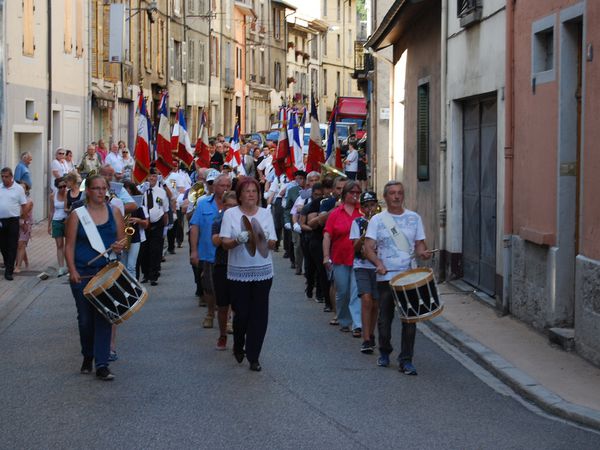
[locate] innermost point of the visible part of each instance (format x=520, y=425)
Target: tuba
x=326, y=169
x=196, y=191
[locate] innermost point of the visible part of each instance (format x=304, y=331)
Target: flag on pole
x=164, y=156
x=234, y=157
x=283, y=155
x=142, y=144
x=294, y=133
x=315, y=151
x=333, y=154
x=202, y=147
x=184, y=145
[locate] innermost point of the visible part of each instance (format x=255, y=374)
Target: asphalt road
x=316, y=390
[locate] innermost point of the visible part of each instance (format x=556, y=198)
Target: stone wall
x=587, y=309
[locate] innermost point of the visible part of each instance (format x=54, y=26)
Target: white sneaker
x=61, y=271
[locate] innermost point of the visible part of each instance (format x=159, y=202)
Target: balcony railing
x=363, y=61
x=253, y=78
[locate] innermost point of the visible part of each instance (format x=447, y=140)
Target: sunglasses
x=61, y=153
x=62, y=186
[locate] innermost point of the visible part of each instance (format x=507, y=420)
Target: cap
x=368, y=196
x=212, y=174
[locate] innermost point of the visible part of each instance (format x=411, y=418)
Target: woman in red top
x=338, y=255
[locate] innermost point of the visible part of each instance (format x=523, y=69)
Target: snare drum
x=416, y=296
x=115, y=293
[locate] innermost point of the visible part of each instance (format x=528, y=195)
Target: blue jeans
x=94, y=329
x=129, y=257
x=346, y=297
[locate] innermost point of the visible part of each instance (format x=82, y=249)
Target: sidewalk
x=41, y=252
x=557, y=381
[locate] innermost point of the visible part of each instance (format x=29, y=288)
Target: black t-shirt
x=314, y=207
x=221, y=253
x=216, y=160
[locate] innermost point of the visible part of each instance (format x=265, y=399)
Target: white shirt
x=115, y=161
x=161, y=203
x=352, y=161
x=62, y=169
x=359, y=263
x=11, y=199
x=266, y=164
x=241, y=266
x=394, y=259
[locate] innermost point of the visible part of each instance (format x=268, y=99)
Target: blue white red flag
x=142, y=144
x=315, y=151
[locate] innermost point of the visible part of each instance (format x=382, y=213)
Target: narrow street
x=316, y=390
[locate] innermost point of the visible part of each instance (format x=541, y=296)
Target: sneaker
x=229, y=328
x=357, y=332
x=345, y=329
x=383, y=360
x=104, y=374
x=208, y=322
x=112, y=356
x=366, y=347
x=406, y=367
x=221, y=343
x=61, y=271
x=320, y=300
x=86, y=366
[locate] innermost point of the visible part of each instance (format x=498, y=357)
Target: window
x=277, y=23
x=253, y=65
x=349, y=43
x=324, y=81
x=177, y=60
x=177, y=7
x=238, y=63
x=324, y=8
x=314, y=82
x=262, y=68
x=79, y=29
x=201, y=62
x=324, y=45
x=147, y=43
x=214, y=56
x=277, y=83
x=338, y=78
x=314, y=52
x=542, y=52
x=160, y=48
x=338, y=45
x=191, y=8
x=28, y=25
x=468, y=11
x=423, y=132
x=339, y=10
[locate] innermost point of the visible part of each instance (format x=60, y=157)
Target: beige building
x=46, y=86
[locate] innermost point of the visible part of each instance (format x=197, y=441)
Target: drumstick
x=96, y=258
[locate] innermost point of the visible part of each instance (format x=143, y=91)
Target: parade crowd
x=327, y=225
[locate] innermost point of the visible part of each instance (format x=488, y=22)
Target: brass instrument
x=326, y=169
x=129, y=231
x=196, y=191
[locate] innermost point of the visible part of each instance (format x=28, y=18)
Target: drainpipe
x=508, y=157
x=443, y=144
x=88, y=108
x=49, y=99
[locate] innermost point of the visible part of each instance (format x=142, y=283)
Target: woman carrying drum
x=103, y=223
x=249, y=271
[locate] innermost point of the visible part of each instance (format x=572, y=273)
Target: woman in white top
x=250, y=276
x=351, y=162
x=128, y=162
x=56, y=221
x=59, y=167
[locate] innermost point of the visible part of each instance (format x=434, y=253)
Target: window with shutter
x=325, y=82
x=423, y=132
x=201, y=62
x=28, y=42
x=152, y=38
x=79, y=29
x=161, y=47
x=184, y=62
x=191, y=9
x=146, y=40
x=68, y=25
x=192, y=61
x=95, y=23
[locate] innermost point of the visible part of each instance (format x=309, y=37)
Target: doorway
x=479, y=193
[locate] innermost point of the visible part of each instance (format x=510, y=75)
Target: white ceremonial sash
x=397, y=235
x=90, y=229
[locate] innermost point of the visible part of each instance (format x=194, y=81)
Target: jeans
x=94, y=329
x=384, y=326
x=347, y=301
x=250, y=304
x=129, y=258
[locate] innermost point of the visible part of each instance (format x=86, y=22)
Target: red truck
x=354, y=110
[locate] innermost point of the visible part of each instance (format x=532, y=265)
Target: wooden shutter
x=28, y=28
x=201, y=62
x=79, y=29
x=423, y=132
x=184, y=61
x=171, y=59
x=192, y=61
x=68, y=27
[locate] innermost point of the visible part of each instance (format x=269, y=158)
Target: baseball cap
x=368, y=196
x=212, y=175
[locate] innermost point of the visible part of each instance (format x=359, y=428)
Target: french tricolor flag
x=234, y=158
x=202, y=147
x=315, y=151
x=333, y=155
x=164, y=159
x=294, y=134
x=180, y=140
x=142, y=144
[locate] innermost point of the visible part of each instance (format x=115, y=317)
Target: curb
x=518, y=380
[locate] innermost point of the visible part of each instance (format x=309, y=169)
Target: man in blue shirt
x=202, y=249
x=22, y=173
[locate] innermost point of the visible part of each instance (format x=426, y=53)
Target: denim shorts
x=366, y=282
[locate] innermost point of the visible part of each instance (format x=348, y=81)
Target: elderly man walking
x=22, y=173
x=12, y=207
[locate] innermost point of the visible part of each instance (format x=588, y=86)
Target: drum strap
x=397, y=235
x=90, y=229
